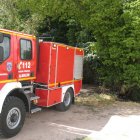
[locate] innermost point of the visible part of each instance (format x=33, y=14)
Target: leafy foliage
x=112, y=25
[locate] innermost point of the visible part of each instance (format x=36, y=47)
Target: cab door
x=7, y=62
x=26, y=58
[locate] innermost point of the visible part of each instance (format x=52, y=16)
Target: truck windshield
x=6, y=47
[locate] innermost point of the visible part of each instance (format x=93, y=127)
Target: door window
x=6, y=47
x=25, y=49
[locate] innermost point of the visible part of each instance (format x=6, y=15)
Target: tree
x=113, y=25
x=17, y=15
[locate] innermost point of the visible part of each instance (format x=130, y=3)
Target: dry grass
x=94, y=96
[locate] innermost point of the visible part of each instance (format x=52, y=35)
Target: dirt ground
x=119, y=120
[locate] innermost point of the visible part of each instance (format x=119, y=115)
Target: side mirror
x=1, y=37
x=1, y=54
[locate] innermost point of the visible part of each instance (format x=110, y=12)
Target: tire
x=12, y=116
x=67, y=101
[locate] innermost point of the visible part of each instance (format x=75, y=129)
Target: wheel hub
x=67, y=99
x=13, y=118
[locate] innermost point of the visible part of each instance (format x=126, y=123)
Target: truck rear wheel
x=12, y=116
x=67, y=101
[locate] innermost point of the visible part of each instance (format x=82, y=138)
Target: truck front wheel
x=12, y=116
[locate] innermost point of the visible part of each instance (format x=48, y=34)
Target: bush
x=116, y=29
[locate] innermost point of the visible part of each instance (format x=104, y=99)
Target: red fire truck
x=35, y=74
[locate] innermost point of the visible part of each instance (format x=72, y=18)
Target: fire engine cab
x=33, y=75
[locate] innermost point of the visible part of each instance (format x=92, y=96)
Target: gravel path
x=117, y=121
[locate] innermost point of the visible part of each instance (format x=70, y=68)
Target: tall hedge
x=116, y=27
